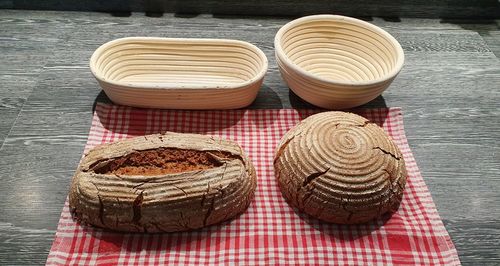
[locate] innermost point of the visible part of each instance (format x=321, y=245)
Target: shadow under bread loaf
x=162, y=183
x=341, y=168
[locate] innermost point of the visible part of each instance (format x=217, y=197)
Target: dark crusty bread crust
x=162, y=183
x=341, y=168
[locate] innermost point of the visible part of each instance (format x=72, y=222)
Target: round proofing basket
x=337, y=62
x=175, y=73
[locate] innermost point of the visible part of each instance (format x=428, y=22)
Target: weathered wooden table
x=449, y=90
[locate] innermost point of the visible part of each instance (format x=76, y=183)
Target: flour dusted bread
x=340, y=168
x=162, y=183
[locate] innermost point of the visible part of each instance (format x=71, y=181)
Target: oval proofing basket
x=337, y=62
x=173, y=73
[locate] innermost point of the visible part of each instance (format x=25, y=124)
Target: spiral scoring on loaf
x=341, y=168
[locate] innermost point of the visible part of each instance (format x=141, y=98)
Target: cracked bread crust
x=162, y=183
x=341, y=168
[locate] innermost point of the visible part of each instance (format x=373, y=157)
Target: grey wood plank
x=451, y=171
x=38, y=159
x=21, y=246
x=45, y=145
x=483, y=234
x=9, y=115
x=489, y=30
x=492, y=38
x=14, y=89
x=432, y=40
x=20, y=66
x=23, y=36
x=18, y=85
x=64, y=88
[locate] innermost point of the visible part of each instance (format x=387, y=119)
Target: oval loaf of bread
x=339, y=167
x=162, y=183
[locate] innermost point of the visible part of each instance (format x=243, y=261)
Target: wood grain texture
x=448, y=88
x=22, y=245
x=18, y=74
x=488, y=29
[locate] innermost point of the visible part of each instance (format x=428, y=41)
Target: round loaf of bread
x=341, y=168
x=162, y=183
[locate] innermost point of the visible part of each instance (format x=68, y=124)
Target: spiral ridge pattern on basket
x=179, y=73
x=340, y=168
x=337, y=62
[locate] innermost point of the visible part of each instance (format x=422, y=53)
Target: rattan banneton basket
x=337, y=62
x=174, y=73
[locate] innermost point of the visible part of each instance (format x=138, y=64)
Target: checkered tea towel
x=270, y=232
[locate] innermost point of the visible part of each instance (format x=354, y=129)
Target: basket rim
x=280, y=54
x=99, y=76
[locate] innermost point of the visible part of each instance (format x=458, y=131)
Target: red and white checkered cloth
x=270, y=231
